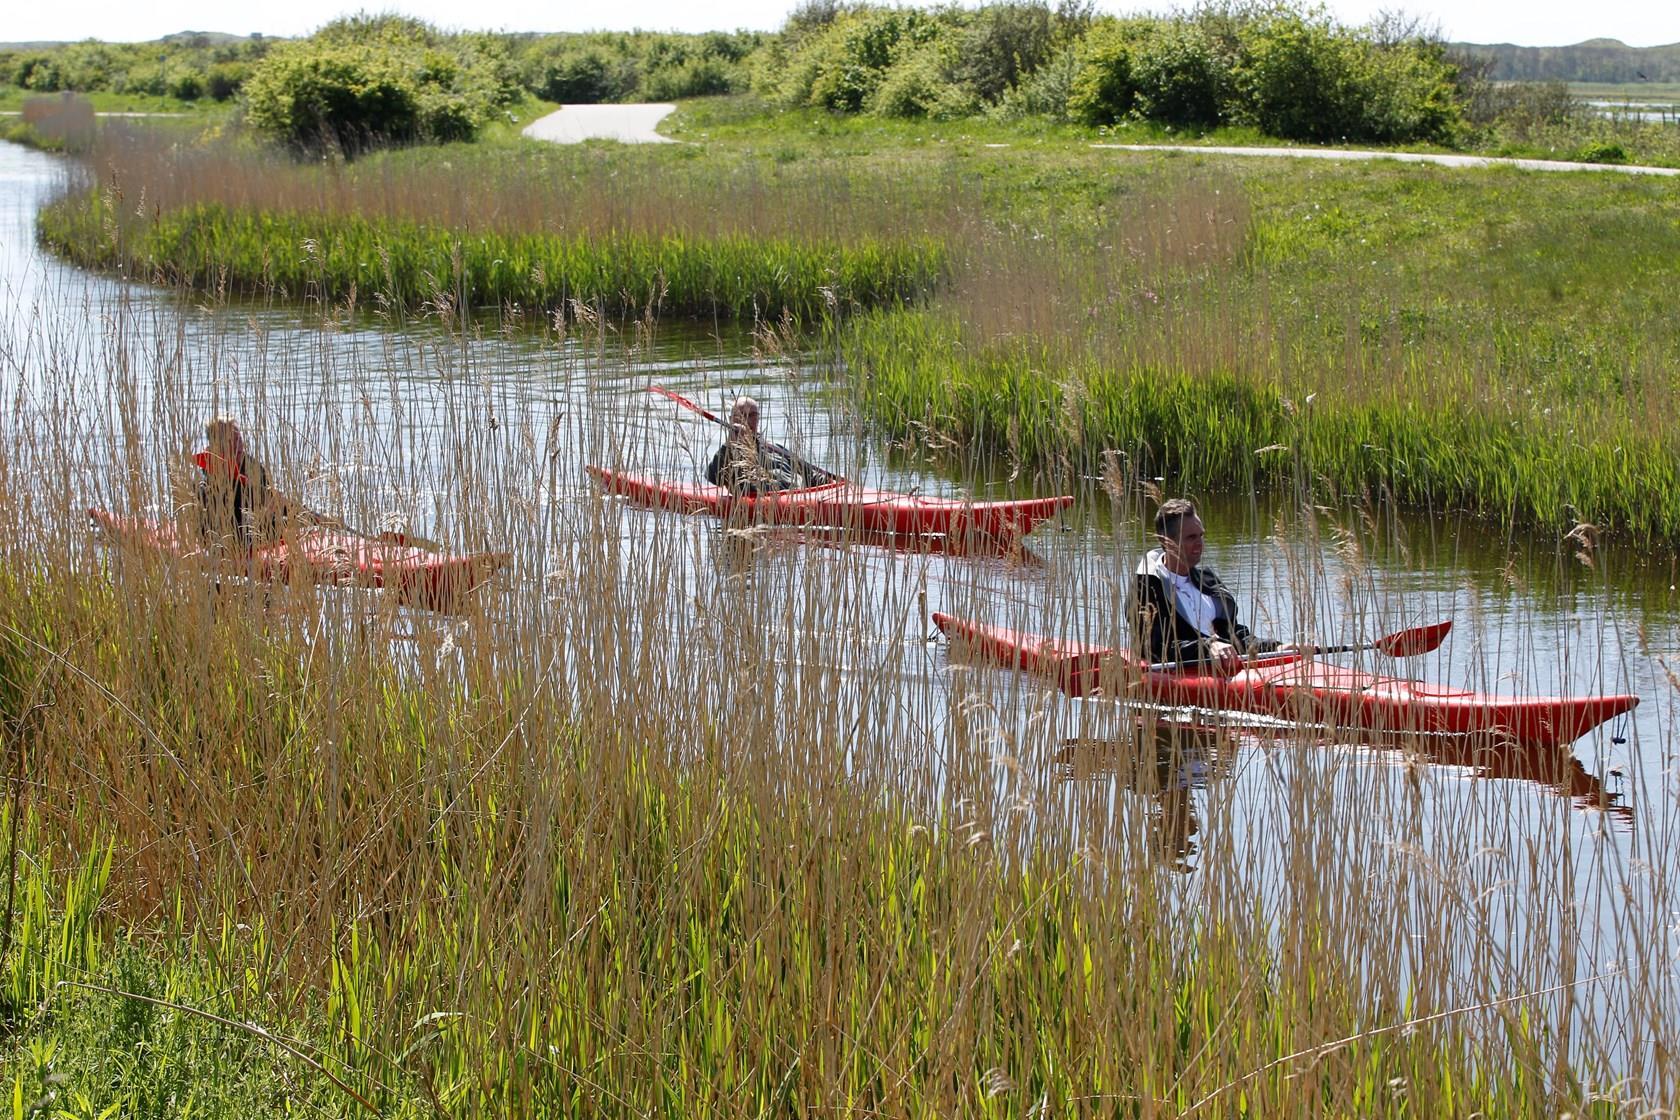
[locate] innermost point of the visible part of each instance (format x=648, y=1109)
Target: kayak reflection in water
x=1181, y=612
x=239, y=508
x=748, y=464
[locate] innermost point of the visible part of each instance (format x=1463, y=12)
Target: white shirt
x=1193, y=606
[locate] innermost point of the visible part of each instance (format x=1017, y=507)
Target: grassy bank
x=664, y=829
x=487, y=234
x=261, y=868
x=1492, y=340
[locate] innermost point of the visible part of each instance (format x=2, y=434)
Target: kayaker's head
x=225, y=438
x=745, y=414
x=1179, y=528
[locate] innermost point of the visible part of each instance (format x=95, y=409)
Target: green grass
x=611, y=932
x=1627, y=91
x=336, y=257
x=1491, y=339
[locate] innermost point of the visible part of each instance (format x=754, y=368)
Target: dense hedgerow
x=186, y=66
x=1296, y=75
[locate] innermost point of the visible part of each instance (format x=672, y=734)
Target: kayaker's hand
x=1226, y=656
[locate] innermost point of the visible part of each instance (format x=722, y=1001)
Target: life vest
x=214, y=465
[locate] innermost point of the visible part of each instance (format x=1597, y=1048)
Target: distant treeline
x=1596, y=60
x=1289, y=72
x=187, y=66
x=583, y=68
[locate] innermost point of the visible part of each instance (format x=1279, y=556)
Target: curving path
x=628, y=124
x=1403, y=157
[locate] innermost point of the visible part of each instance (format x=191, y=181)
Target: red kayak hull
x=843, y=505
x=418, y=577
x=1297, y=689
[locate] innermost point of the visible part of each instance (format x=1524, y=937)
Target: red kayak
x=844, y=505
x=1296, y=688
x=418, y=577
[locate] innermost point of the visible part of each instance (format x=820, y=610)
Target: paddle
x=810, y=468
x=1402, y=643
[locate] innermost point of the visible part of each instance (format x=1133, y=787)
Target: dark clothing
x=237, y=505
x=1161, y=632
x=748, y=465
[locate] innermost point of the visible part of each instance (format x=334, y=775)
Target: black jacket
x=1160, y=633
x=754, y=466
x=238, y=506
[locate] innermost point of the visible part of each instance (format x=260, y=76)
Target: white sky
x=1641, y=23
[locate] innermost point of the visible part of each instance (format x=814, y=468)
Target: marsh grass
x=675, y=825
x=1494, y=343
x=496, y=231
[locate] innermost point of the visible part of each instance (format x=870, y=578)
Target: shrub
x=1103, y=90
x=1602, y=151
x=1004, y=43
x=186, y=86
x=841, y=67
x=39, y=73
x=370, y=81
x=1310, y=80
x=1043, y=93
x=1177, y=76
x=920, y=85
x=578, y=77
x=225, y=79
x=697, y=77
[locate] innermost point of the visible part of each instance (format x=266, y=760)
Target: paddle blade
x=1419, y=639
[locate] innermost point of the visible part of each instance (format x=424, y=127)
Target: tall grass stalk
x=679, y=823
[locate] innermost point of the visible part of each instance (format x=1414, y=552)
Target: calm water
x=1560, y=862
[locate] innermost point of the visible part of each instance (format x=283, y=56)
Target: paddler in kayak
x=1181, y=612
x=238, y=506
x=749, y=464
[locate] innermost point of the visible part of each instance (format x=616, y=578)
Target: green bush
x=1602, y=151
x=1103, y=90
x=39, y=73
x=186, y=86
x=1004, y=43
x=919, y=85
x=225, y=79
x=841, y=67
x=371, y=81
x=1178, y=77
x=1308, y=79
x=1043, y=93
x=696, y=77
x=578, y=77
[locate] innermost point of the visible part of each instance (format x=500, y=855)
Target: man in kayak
x=1181, y=612
x=748, y=464
x=239, y=507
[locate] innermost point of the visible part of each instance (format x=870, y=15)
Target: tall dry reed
x=687, y=822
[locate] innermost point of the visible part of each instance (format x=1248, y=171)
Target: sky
x=1640, y=23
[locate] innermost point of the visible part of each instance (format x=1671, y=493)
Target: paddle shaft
x=1403, y=643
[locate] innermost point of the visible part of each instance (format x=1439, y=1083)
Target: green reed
x=1494, y=343
x=1216, y=429
x=633, y=838
x=579, y=926
x=335, y=257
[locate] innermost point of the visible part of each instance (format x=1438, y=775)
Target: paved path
x=628, y=124
x=1403, y=157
